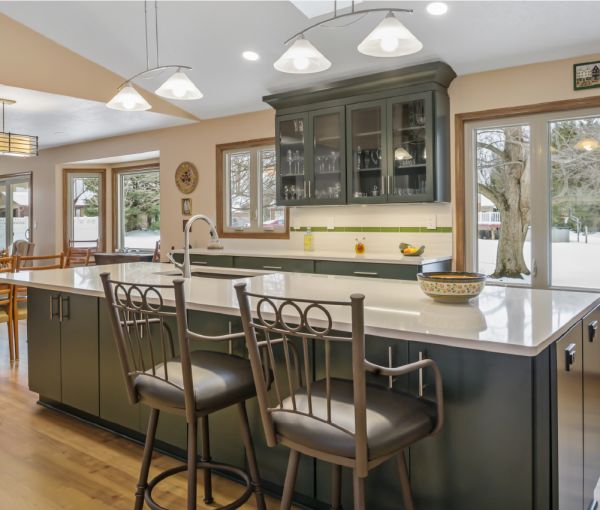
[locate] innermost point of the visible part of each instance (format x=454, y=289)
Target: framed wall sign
x=586, y=75
x=186, y=206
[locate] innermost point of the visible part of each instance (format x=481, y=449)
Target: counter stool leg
x=192, y=454
x=11, y=345
x=147, y=458
x=205, y=437
x=336, y=487
x=290, y=480
x=404, y=481
x=359, y=492
x=252, y=466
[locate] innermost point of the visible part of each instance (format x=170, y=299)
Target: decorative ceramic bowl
x=452, y=287
x=417, y=253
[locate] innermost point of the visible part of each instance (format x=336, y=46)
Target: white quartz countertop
x=503, y=319
x=336, y=256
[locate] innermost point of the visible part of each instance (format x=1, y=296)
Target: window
x=15, y=221
x=84, y=207
x=246, y=191
x=136, y=208
x=533, y=199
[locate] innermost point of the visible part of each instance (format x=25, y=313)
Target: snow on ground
x=142, y=239
x=573, y=264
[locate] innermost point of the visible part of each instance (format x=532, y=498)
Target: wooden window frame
x=102, y=244
x=116, y=174
x=460, y=119
x=220, y=152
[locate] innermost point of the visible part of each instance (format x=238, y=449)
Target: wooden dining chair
x=7, y=265
x=77, y=257
x=19, y=294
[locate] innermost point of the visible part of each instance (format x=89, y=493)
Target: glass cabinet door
x=328, y=155
x=366, y=152
x=410, y=130
x=292, y=159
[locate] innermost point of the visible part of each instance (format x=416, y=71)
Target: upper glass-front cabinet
x=410, y=132
x=292, y=156
x=367, y=170
x=328, y=156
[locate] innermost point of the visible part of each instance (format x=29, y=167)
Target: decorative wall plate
x=186, y=177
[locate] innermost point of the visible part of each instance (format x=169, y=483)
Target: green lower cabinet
x=114, y=402
x=275, y=264
x=43, y=343
x=367, y=269
x=79, y=352
x=489, y=407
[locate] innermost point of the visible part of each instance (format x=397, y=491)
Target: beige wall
x=550, y=81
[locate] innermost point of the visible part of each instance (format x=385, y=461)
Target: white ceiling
x=60, y=120
x=211, y=35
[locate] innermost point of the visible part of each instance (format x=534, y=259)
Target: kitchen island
x=520, y=369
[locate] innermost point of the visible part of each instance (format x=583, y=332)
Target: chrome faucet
x=214, y=244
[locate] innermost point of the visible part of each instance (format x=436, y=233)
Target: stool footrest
x=250, y=487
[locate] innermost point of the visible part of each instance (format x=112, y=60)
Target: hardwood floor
x=52, y=461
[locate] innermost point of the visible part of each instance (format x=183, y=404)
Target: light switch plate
x=431, y=222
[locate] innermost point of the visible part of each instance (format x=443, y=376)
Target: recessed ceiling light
x=437, y=8
x=251, y=55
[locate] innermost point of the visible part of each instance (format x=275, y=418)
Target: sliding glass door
x=533, y=199
x=15, y=209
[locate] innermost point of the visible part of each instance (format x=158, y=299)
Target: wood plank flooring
x=51, y=461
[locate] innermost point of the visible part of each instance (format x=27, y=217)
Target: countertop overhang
x=505, y=320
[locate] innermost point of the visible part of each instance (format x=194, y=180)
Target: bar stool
x=343, y=422
x=193, y=384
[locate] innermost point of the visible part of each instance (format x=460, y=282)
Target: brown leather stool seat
x=219, y=379
x=394, y=419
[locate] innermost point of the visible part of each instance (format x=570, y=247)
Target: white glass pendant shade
x=302, y=58
x=390, y=39
x=128, y=100
x=179, y=86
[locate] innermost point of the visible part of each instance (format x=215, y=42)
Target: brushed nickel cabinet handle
x=309, y=193
x=200, y=263
x=364, y=273
x=420, y=376
x=592, y=328
x=272, y=267
x=570, y=353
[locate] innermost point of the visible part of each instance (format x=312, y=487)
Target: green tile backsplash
x=423, y=230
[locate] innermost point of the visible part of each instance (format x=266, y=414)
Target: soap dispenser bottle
x=309, y=244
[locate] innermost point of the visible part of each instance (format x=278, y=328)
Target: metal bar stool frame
x=134, y=310
x=264, y=317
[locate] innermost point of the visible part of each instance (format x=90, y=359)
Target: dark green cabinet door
x=294, y=159
x=275, y=264
x=114, y=403
x=488, y=407
x=328, y=128
x=591, y=404
x=79, y=352
x=411, y=148
x=43, y=343
x=367, y=269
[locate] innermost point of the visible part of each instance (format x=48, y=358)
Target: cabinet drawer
x=275, y=264
x=397, y=271
x=206, y=260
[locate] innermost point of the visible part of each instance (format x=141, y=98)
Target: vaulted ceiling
x=211, y=35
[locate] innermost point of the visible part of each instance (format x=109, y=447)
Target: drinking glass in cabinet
x=291, y=156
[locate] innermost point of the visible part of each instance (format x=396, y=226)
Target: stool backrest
x=291, y=323
x=144, y=338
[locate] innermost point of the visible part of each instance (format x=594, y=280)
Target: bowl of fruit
x=411, y=251
x=452, y=287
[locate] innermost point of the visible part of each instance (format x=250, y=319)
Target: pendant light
x=178, y=86
x=12, y=144
x=302, y=58
x=587, y=144
x=390, y=39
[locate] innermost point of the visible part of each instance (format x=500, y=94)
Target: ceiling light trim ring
x=348, y=14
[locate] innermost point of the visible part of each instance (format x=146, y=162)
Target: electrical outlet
x=330, y=223
x=431, y=222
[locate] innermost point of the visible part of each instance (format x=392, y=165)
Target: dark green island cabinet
x=515, y=426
